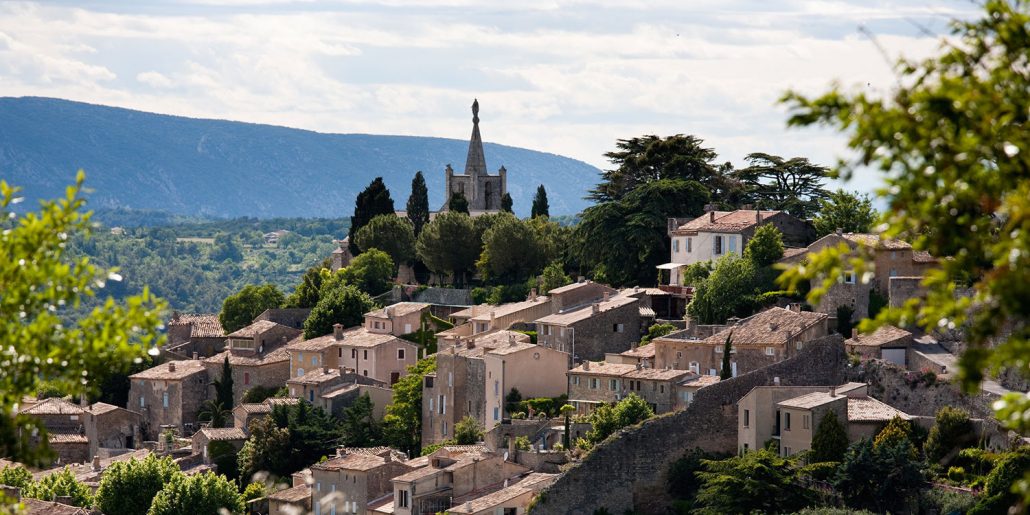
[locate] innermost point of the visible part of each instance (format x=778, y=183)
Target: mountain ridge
x=222, y=168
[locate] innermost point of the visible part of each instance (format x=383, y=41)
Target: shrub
x=200, y=493
x=522, y=443
x=821, y=471
x=830, y=440
x=957, y=474
x=951, y=429
x=60, y=484
x=935, y=500
x=468, y=431
x=258, y=394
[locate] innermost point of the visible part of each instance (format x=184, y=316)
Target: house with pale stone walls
x=888, y=343
x=257, y=356
x=513, y=497
x=169, y=396
x=534, y=370
x=112, y=427
x=396, y=319
x=194, y=333
x=449, y=475
x=608, y=324
x=594, y=383
x=355, y=478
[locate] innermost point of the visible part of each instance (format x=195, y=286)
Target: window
x=804, y=421
x=695, y=367
x=443, y=404
x=164, y=399
x=354, y=353
x=575, y=381
x=718, y=349
x=894, y=272
x=561, y=332
x=450, y=378
x=246, y=378
x=733, y=243
x=400, y=354
x=593, y=383
x=497, y=413
x=311, y=395
x=661, y=388
x=365, y=355
x=314, y=360
x=894, y=255
x=849, y=277
x=497, y=387
x=675, y=245
x=340, y=350
x=141, y=401
x=747, y=418
x=786, y=421
x=770, y=351
x=689, y=241
x=300, y=357
x=617, y=328
x=431, y=404
x=613, y=384
x=402, y=498
x=300, y=372
x=717, y=245
x=364, y=372
x=443, y=427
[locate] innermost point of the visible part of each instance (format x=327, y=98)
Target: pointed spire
x=475, y=163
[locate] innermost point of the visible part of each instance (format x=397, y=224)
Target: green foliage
x=766, y=246
x=506, y=203
x=360, y=428
x=896, y=432
x=468, y=431
x=43, y=286
x=226, y=248
x=793, y=185
x=549, y=406
x=258, y=394
x=266, y=450
x=458, y=203
x=1010, y=468
x=224, y=386
x=305, y=295
x=609, y=418
x=727, y=370
x=849, y=212
x=240, y=310
x=16, y=476
x=403, y=421
x=345, y=305
x=650, y=158
x=254, y=490
x=951, y=142
x=540, y=206
x=418, y=204
x=945, y=502
x=391, y=234
x=553, y=276
x=758, y=481
x=656, y=331
x=214, y=412
x=951, y=430
x=682, y=482
x=433, y=447
x=729, y=291
x=371, y=272
x=373, y=201
x=880, y=479
x=695, y=273
x=522, y=443
x=225, y=457
x=845, y=324
x=199, y=493
x=448, y=245
x=60, y=484
x=511, y=251
x=819, y=471
x=830, y=441
x=291, y=438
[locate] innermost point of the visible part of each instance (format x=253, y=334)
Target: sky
x=563, y=76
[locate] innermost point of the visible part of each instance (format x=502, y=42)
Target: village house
x=245, y=413
x=513, y=498
x=355, y=478
x=65, y=424
x=594, y=383
x=257, y=356
x=757, y=341
x=333, y=390
x=888, y=343
x=380, y=356
x=890, y=258
x=111, y=427
x=451, y=474
x=642, y=354
x=485, y=318
x=688, y=387
x=290, y=317
x=589, y=330
x=293, y=500
x=201, y=439
x=169, y=396
x=194, y=333
x=396, y=319
x=534, y=370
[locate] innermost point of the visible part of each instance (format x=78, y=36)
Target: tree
x=845, y=325
x=16, y=476
x=951, y=430
x=214, y=412
x=656, y=331
x=729, y=291
x=957, y=185
x=468, y=431
x=849, y=212
x=458, y=203
x=506, y=203
x=344, y=305
x=60, y=484
x=266, y=450
x=1000, y=488
x=566, y=412
x=609, y=418
x=42, y=284
x=224, y=387
x=418, y=204
x=896, y=431
x=254, y=490
x=360, y=428
x=373, y=201
x=305, y=295
x=554, y=276
x=129, y=486
x=879, y=479
x=754, y=482
x=650, y=158
x=198, y=493
x=511, y=251
x=540, y=206
x=227, y=247
x=391, y=234
x=793, y=185
x=240, y=310
x=371, y=272
x=225, y=457
x=766, y=246
x=727, y=351
x=449, y=245
x=403, y=420
x=830, y=441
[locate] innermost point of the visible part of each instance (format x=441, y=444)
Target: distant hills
x=215, y=168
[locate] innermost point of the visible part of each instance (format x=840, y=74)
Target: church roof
x=475, y=163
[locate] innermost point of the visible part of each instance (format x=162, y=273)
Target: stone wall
x=904, y=288
x=887, y=382
x=628, y=471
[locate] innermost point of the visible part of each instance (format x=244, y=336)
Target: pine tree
x=375, y=200
x=830, y=441
x=506, y=203
x=458, y=203
x=418, y=203
x=540, y=207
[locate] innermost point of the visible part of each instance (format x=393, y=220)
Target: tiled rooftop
x=351, y=461
x=164, y=372
x=398, y=310
x=509, y=308
x=202, y=325
x=883, y=335
x=725, y=221
x=587, y=311
x=223, y=433
x=293, y=495
x=774, y=326
x=868, y=409
x=603, y=368
x=53, y=406
x=254, y=329
x=809, y=401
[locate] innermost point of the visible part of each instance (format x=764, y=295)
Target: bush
x=821, y=471
x=258, y=394
x=522, y=443
x=951, y=429
x=196, y=494
x=957, y=474
x=468, y=431
x=60, y=484
x=945, y=502
x=16, y=476
x=657, y=331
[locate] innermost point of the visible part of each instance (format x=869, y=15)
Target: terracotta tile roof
x=223, y=433
x=809, y=401
x=497, y=338
x=53, y=406
x=868, y=409
x=643, y=351
x=657, y=374
x=250, y=407
x=875, y=241
x=318, y=344
x=790, y=252
x=376, y=451
x=351, y=461
x=573, y=287
x=35, y=506
x=347, y=388
x=507, y=348
x=275, y=355
x=922, y=256
x=361, y=337
x=163, y=372
x=66, y=438
x=587, y=311
x=472, y=311
x=531, y=483
x=646, y=312
x=774, y=326
x=317, y=376
x=419, y=473
x=603, y=368
x=398, y=310
x=510, y=309
x=725, y=221
x=455, y=450
x=884, y=335
x=700, y=381
x=204, y=325
x=293, y=495
x=254, y=329
x=282, y=401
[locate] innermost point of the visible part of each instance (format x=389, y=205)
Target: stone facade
x=629, y=472
x=612, y=325
x=348, y=482
x=483, y=191
x=111, y=427
x=592, y=384
x=169, y=394
x=534, y=370
x=457, y=389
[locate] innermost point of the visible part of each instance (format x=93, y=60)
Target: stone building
x=534, y=370
x=111, y=427
x=65, y=424
x=450, y=475
x=194, y=333
x=293, y=500
x=485, y=319
x=396, y=319
x=610, y=324
x=594, y=383
x=483, y=191
x=513, y=498
x=200, y=440
x=169, y=395
x=257, y=355
x=455, y=390
x=383, y=357
x=757, y=341
x=353, y=479
x=888, y=343
x=290, y=317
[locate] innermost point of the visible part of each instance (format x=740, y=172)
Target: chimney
x=511, y=448
x=688, y=323
x=607, y=296
x=492, y=313
x=175, y=316
x=586, y=365
x=171, y=366
x=711, y=216
x=195, y=355
x=633, y=346
x=340, y=452
x=595, y=308
x=839, y=231
x=776, y=381
x=639, y=365
x=83, y=402
x=325, y=370
x=388, y=456
x=96, y=463
x=833, y=391
x=338, y=331
x=471, y=344
x=709, y=207
x=758, y=216
x=532, y=294
x=511, y=340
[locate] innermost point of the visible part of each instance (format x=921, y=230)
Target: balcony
x=679, y=291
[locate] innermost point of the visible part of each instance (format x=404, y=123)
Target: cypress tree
x=418, y=203
x=506, y=203
x=727, y=370
x=540, y=207
x=375, y=200
x=830, y=441
x=223, y=386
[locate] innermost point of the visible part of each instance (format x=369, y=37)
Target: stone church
x=482, y=190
